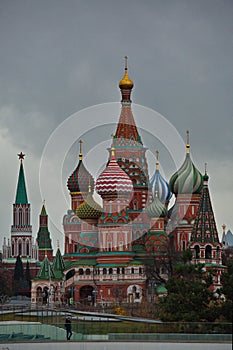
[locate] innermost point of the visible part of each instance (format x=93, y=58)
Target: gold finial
x=112, y=147
x=187, y=142
x=223, y=228
x=80, y=150
x=156, y=193
x=157, y=160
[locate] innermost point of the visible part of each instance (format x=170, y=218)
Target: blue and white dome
x=159, y=184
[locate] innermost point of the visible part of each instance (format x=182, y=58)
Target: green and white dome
x=156, y=209
x=188, y=179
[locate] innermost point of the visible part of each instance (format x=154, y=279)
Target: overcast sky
x=60, y=57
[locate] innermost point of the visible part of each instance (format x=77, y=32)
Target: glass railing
x=44, y=325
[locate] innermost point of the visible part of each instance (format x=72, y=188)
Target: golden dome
x=126, y=82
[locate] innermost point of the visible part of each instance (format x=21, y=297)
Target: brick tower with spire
x=21, y=242
x=43, y=237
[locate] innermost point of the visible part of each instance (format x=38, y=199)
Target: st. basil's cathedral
x=107, y=246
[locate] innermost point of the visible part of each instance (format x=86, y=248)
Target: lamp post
x=102, y=299
x=95, y=292
x=71, y=291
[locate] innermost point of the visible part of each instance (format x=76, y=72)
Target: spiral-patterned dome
x=187, y=180
x=89, y=209
x=79, y=179
x=159, y=184
x=113, y=180
x=156, y=209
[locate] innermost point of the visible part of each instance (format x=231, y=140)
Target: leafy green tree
x=18, y=275
x=28, y=275
x=5, y=283
x=227, y=293
x=189, y=297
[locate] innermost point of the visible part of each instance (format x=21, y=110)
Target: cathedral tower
x=130, y=155
x=187, y=185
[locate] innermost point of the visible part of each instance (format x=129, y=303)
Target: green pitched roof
x=46, y=271
x=21, y=193
x=43, y=211
x=58, y=262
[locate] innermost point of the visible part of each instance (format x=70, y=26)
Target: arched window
x=20, y=217
x=197, y=251
x=123, y=271
x=80, y=272
x=218, y=253
x=118, y=271
x=140, y=270
x=110, y=271
x=88, y=272
x=27, y=249
x=70, y=274
x=208, y=252
x=183, y=245
x=104, y=271
x=20, y=248
x=132, y=270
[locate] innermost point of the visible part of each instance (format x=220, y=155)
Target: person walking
x=68, y=327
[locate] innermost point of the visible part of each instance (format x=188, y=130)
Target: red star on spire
x=21, y=156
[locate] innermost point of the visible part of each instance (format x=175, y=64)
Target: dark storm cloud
x=58, y=57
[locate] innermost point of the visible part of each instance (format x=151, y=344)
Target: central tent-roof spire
x=126, y=133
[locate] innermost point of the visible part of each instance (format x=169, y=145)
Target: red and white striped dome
x=113, y=180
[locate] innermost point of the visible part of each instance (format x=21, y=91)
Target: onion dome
x=159, y=184
x=156, y=209
x=205, y=176
x=126, y=82
x=187, y=180
x=89, y=209
x=113, y=180
x=79, y=179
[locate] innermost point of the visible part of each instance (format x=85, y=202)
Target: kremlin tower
x=21, y=242
x=43, y=237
